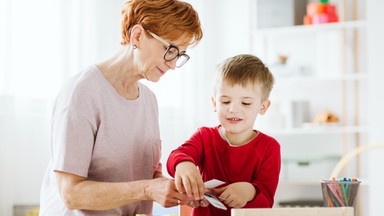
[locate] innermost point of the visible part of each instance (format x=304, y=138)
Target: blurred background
x=326, y=101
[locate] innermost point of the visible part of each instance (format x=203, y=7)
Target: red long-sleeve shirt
x=257, y=162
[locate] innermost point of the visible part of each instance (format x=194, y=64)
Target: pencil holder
x=340, y=193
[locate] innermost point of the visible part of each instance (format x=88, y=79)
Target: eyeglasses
x=172, y=52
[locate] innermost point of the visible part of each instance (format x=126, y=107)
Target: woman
x=105, y=157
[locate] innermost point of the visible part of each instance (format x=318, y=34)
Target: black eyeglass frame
x=181, y=58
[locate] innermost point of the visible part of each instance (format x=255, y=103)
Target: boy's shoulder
x=267, y=138
x=208, y=129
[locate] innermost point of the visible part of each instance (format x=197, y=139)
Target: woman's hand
x=236, y=195
x=188, y=180
x=198, y=203
x=164, y=192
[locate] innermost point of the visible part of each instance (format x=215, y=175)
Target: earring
x=134, y=46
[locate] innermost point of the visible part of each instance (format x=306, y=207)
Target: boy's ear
x=264, y=107
x=214, y=104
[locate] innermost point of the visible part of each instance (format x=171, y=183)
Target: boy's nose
x=233, y=109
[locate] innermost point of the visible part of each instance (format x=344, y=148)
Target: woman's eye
x=170, y=51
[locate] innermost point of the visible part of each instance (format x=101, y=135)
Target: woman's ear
x=264, y=107
x=214, y=104
x=137, y=33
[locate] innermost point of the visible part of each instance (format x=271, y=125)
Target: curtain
x=45, y=42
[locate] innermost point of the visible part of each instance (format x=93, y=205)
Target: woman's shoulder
x=84, y=79
x=80, y=87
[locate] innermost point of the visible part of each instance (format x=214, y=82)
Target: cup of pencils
x=339, y=193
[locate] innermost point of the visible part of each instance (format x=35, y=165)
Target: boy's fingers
x=179, y=185
x=202, y=191
x=201, y=188
x=195, y=189
x=204, y=203
x=218, y=191
x=187, y=187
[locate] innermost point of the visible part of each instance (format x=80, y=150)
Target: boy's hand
x=188, y=180
x=236, y=195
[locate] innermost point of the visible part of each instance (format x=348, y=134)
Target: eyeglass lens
x=172, y=53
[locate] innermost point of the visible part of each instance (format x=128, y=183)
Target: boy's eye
x=246, y=104
x=225, y=102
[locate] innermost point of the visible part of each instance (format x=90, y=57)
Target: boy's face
x=237, y=107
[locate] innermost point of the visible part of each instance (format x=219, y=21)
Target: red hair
x=170, y=19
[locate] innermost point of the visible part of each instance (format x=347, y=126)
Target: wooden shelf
x=326, y=67
x=328, y=77
x=290, y=183
x=318, y=130
x=283, y=183
x=300, y=29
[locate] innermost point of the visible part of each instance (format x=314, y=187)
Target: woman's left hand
x=198, y=203
x=163, y=191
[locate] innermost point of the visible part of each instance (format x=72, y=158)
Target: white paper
x=212, y=199
x=213, y=183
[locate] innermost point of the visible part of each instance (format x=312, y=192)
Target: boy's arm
x=266, y=181
x=191, y=150
x=182, y=165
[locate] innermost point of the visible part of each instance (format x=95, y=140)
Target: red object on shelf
x=307, y=20
x=314, y=8
x=320, y=18
x=333, y=18
x=318, y=13
x=330, y=9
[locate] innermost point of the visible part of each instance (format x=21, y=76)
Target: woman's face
x=153, y=64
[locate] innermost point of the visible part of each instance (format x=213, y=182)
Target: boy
x=247, y=160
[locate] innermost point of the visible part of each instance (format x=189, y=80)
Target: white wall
x=226, y=26
x=376, y=104
x=43, y=43
x=24, y=151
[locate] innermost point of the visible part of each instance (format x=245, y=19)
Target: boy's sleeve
x=191, y=150
x=267, y=179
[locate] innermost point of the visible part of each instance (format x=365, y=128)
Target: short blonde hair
x=245, y=70
x=171, y=19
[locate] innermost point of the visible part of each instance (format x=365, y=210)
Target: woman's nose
x=171, y=64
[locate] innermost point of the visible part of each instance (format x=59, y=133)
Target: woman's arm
x=79, y=193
